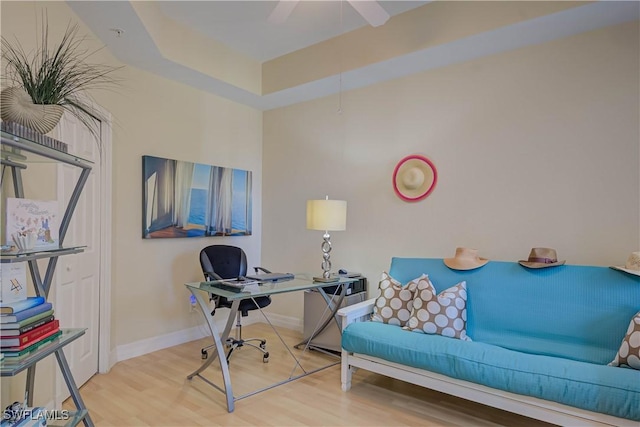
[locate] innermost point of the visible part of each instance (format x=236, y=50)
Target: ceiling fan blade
x=282, y=11
x=371, y=11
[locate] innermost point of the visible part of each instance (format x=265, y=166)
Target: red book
x=28, y=338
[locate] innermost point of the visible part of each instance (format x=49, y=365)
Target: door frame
x=105, y=359
x=106, y=195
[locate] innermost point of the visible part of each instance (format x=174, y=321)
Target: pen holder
x=25, y=241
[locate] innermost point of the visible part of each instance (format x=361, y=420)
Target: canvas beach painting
x=185, y=199
x=39, y=217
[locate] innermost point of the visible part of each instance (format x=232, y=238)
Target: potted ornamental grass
x=41, y=84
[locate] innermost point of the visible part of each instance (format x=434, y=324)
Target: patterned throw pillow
x=629, y=352
x=443, y=314
x=393, y=305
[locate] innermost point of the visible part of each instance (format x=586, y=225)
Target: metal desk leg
x=219, y=343
x=71, y=385
x=334, y=310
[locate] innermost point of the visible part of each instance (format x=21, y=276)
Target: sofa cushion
x=598, y=388
x=443, y=314
x=629, y=352
x=393, y=305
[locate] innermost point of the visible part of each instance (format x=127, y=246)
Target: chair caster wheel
x=263, y=344
x=265, y=358
x=204, y=354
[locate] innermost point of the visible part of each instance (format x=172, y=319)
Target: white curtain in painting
x=210, y=219
x=183, y=181
x=164, y=203
x=210, y=206
x=218, y=217
x=152, y=201
x=223, y=214
x=248, y=212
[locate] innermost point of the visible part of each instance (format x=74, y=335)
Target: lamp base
x=326, y=279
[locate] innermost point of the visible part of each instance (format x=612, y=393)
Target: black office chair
x=229, y=262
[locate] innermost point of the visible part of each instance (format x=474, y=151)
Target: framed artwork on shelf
x=185, y=199
x=13, y=282
x=28, y=217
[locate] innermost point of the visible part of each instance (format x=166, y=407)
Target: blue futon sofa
x=541, y=341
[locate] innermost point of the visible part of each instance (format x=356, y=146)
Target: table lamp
x=327, y=215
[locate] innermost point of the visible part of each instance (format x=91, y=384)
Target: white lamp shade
x=327, y=215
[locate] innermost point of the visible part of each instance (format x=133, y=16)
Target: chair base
x=234, y=343
x=238, y=341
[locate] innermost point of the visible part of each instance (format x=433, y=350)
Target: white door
x=77, y=287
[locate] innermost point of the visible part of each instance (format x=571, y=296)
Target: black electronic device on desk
x=238, y=283
x=271, y=277
x=352, y=288
x=344, y=273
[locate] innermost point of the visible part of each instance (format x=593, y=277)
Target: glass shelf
x=28, y=255
x=18, y=150
x=9, y=368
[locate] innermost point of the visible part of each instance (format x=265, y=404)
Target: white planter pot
x=16, y=106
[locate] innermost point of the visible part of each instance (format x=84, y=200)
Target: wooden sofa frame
x=532, y=407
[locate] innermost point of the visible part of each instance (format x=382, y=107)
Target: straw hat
x=541, y=258
x=414, y=178
x=465, y=259
x=632, y=266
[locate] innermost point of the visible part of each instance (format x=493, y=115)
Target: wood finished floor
x=152, y=390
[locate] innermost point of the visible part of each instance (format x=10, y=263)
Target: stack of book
x=32, y=135
x=26, y=325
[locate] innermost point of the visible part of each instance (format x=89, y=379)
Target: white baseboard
x=113, y=359
x=148, y=345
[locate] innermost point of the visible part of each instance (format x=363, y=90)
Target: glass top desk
x=301, y=282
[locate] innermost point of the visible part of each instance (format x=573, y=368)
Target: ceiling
x=244, y=25
x=231, y=49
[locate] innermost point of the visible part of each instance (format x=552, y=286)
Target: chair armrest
x=358, y=312
x=264, y=270
x=210, y=275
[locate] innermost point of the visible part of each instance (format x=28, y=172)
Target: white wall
x=534, y=147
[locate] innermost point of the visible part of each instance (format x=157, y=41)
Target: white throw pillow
x=629, y=352
x=393, y=304
x=443, y=314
